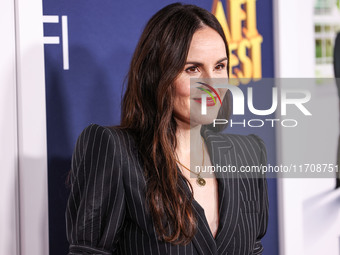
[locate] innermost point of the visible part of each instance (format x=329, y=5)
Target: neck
x=189, y=141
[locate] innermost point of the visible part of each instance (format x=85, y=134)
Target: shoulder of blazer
x=250, y=148
x=94, y=138
x=252, y=142
x=94, y=132
x=238, y=142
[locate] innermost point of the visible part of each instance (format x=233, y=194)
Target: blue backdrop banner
x=88, y=47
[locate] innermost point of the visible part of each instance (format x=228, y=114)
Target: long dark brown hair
x=147, y=112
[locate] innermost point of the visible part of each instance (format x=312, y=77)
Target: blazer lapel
x=222, y=153
x=203, y=240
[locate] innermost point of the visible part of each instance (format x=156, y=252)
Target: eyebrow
x=201, y=64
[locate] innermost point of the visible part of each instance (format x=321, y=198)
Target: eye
x=220, y=66
x=192, y=69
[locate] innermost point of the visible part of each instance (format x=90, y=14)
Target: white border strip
x=9, y=212
x=32, y=129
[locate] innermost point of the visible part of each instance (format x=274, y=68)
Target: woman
x=133, y=191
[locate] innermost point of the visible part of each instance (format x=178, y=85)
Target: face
x=207, y=59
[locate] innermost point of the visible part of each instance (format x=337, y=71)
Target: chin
x=203, y=119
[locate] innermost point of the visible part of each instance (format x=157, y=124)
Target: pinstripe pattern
x=106, y=211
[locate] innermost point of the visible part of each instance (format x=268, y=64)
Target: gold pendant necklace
x=200, y=180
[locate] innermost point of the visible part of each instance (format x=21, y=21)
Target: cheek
x=182, y=87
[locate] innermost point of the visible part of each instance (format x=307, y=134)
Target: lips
x=210, y=101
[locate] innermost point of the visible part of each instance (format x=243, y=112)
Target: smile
x=210, y=101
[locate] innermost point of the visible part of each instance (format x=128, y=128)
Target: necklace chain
x=200, y=181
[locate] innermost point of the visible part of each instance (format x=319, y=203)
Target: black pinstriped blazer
x=106, y=213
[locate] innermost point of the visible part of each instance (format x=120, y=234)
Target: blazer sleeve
x=96, y=205
x=263, y=197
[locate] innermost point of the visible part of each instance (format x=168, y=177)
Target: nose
x=208, y=76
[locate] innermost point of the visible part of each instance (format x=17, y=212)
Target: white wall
x=24, y=210
x=309, y=214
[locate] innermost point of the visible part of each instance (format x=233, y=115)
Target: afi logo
x=56, y=39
